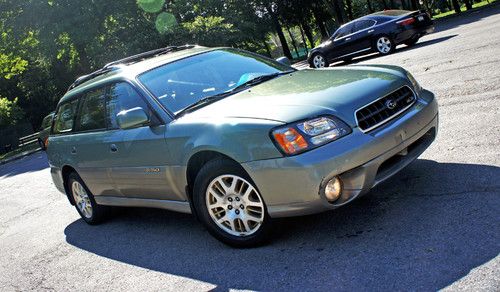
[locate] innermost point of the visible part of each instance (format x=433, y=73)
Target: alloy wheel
x=82, y=199
x=234, y=205
x=319, y=61
x=384, y=45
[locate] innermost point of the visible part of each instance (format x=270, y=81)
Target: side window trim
x=154, y=119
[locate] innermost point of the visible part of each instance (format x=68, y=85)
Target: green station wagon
x=234, y=138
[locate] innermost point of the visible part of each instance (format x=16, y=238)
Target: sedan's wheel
x=229, y=205
x=234, y=205
x=384, y=45
x=319, y=61
x=89, y=210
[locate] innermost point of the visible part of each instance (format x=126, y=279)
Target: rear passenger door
x=362, y=34
x=140, y=166
x=89, y=143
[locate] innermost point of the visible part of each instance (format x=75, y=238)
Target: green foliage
x=11, y=65
x=151, y=6
x=10, y=112
x=165, y=22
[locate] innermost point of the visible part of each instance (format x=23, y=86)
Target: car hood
x=309, y=93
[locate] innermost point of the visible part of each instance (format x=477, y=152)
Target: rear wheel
x=85, y=204
x=384, y=45
x=229, y=205
x=319, y=61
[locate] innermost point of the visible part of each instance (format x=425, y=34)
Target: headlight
x=302, y=136
x=413, y=81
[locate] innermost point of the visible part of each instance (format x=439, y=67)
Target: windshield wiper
x=260, y=79
x=215, y=97
x=202, y=102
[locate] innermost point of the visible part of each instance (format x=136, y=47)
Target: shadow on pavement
x=401, y=48
x=30, y=163
x=423, y=229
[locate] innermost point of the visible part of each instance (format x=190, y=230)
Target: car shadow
x=400, y=48
x=427, y=227
x=30, y=163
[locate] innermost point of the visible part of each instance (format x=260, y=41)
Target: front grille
x=384, y=109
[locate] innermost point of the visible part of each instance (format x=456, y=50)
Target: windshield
x=179, y=84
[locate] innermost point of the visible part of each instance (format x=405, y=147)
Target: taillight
x=406, y=21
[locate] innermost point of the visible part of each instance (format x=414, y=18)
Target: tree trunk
x=349, y=9
x=303, y=39
x=384, y=4
x=338, y=12
x=281, y=36
x=456, y=6
x=266, y=45
x=320, y=24
x=369, y=4
x=294, y=43
x=392, y=4
x=414, y=4
x=308, y=32
x=468, y=4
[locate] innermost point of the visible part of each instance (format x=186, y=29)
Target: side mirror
x=284, y=60
x=131, y=118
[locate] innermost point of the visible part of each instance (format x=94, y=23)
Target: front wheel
x=384, y=45
x=229, y=205
x=319, y=61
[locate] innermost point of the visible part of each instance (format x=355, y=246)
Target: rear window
x=65, y=117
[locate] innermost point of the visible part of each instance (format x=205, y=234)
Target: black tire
x=387, y=40
x=207, y=174
x=412, y=41
x=41, y=144
x=99, y=212
x=320, y=55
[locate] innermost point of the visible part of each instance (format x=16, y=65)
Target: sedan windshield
x=182, y=83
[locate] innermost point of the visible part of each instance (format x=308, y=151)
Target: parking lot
x=434, y=225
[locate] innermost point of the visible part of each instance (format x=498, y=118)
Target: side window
x=123, y=97
x=363, y=24
x=65, y=117
x=343, y=31
x=92, y=114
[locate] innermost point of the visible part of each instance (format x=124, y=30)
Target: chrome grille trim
x=373, y=110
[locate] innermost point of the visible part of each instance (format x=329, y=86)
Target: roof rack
x=116, y=65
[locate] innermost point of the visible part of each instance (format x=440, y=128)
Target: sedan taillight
x=406, y=21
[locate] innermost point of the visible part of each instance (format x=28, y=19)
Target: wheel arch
x=66, y=170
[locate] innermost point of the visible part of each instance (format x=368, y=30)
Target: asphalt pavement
x=435, y=225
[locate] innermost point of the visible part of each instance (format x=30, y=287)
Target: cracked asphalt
x=435, y=225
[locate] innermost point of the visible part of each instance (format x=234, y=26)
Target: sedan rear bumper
x=294, y=185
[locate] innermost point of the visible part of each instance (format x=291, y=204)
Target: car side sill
x=353, y=53
x=177, y=206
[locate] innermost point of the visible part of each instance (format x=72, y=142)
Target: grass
x=462, y=8
x=19, y=150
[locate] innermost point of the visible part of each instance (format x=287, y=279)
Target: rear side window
x=92, y=114
x=122, y=96
x=363, y=24
x=65, y=117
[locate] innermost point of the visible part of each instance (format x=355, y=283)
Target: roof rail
x=116, y=65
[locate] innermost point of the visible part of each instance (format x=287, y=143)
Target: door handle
x=113, y=148
x=347, y=39
x=370, y=31
x=73, y=150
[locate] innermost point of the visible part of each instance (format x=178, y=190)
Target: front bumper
x=292, y=186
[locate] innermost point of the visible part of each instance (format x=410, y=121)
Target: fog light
x=333, y=189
